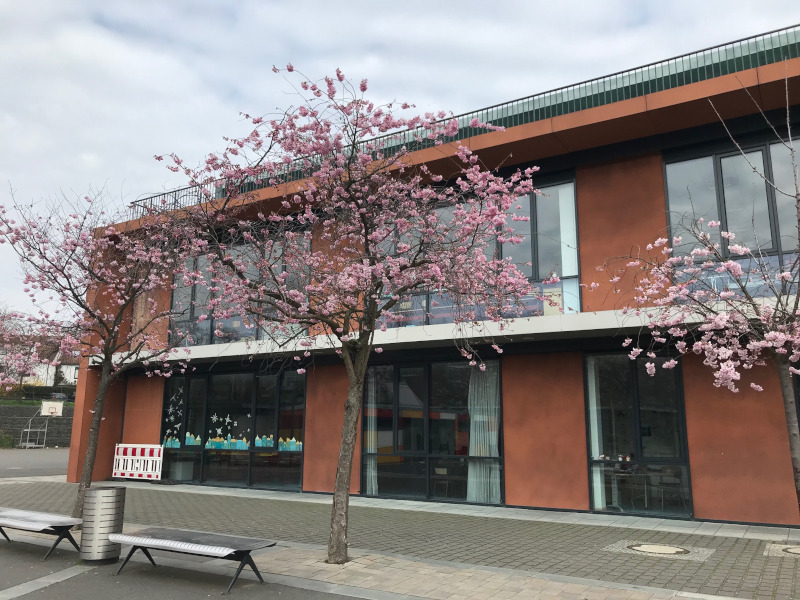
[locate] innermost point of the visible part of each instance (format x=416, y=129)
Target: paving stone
x=736, y=567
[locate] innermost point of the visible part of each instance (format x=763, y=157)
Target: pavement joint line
x=42, y=582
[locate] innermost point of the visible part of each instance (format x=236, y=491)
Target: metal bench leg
x=4, y=535
x=62, y=534
x=134, y=549
x=246, y=559
x=150, y=558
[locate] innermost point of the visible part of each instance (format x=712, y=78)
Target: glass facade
x=546, y=225
x=637, y=446
x=724, y=187
x=235, y=429
x=433, y=431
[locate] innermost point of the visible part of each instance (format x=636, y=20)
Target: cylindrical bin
x=103, y=510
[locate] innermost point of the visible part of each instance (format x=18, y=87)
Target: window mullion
x=722, y=210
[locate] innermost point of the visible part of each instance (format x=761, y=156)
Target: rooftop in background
x=733, y=57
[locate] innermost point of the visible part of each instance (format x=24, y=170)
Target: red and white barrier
x=138, y=461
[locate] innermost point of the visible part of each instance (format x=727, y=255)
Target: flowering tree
x=19, y=354
x=708, y=292
x=355, y=231
x=80, y=269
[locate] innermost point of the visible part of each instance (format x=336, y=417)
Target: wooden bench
x=28, y=520
x=201, y=543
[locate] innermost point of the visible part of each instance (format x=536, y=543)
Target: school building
x=563, y=419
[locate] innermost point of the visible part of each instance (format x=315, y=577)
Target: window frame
x=427, y=454
x=534, y=234
x=201, y=449
x=719, y=152
x=634, y=403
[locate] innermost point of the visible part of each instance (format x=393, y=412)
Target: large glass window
x=545, y=224
x=191, y=300
x=733, y=188
x=636, y=437
x=433, y=431
x=235, y=428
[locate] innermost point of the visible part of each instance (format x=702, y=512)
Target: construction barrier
x=138, y=461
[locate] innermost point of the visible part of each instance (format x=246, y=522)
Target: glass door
x=637, y=437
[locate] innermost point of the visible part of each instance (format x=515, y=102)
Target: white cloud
x=93, y=89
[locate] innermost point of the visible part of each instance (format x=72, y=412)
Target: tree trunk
x=790, y=410
x=337, y=544
x=91, y=445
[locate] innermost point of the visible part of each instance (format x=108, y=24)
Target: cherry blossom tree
x=81, y=269
x=341, y=226
x=704, y=291
x=19, y=354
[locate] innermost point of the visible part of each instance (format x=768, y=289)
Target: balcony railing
x=733, y=57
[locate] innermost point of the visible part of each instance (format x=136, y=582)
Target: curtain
x=371, y=434
x=483, y=401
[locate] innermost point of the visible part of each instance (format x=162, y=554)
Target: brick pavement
x=522, y=553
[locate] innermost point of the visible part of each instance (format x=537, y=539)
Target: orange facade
x=544, y=431
x=739, y=449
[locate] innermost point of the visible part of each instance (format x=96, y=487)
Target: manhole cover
x=792, y=550
x=658, y=549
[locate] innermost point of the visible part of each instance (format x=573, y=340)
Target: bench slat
x=173, y=545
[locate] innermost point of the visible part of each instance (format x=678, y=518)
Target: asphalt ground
x=31, y=463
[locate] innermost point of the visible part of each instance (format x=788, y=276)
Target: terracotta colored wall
x=620, y=204
x=738, y=449
x=326, y=392
x=544, y=431
x=110, y=427
x=143, y=410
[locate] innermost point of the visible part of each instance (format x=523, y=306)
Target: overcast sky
x=91, y=90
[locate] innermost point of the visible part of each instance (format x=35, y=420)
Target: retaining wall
x=13, y=419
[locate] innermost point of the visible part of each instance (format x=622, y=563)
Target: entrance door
x=637, y=437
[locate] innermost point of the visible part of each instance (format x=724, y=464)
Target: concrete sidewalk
x=428, y=550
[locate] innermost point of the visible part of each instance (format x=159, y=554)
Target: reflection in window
x=783, y=178
x=546, y=227
x=458, y=406
x=745, y=197
x=730, y=188
x=636, y=437
x=546, y=224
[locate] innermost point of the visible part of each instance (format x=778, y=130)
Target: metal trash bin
x=103, y=511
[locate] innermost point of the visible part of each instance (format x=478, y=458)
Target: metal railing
x=733, y=57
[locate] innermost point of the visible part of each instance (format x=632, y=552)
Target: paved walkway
x=406, y=549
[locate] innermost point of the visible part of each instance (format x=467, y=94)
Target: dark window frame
x=718, y=152
x=428, y=455
x=201, y=449
x=635, y=407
